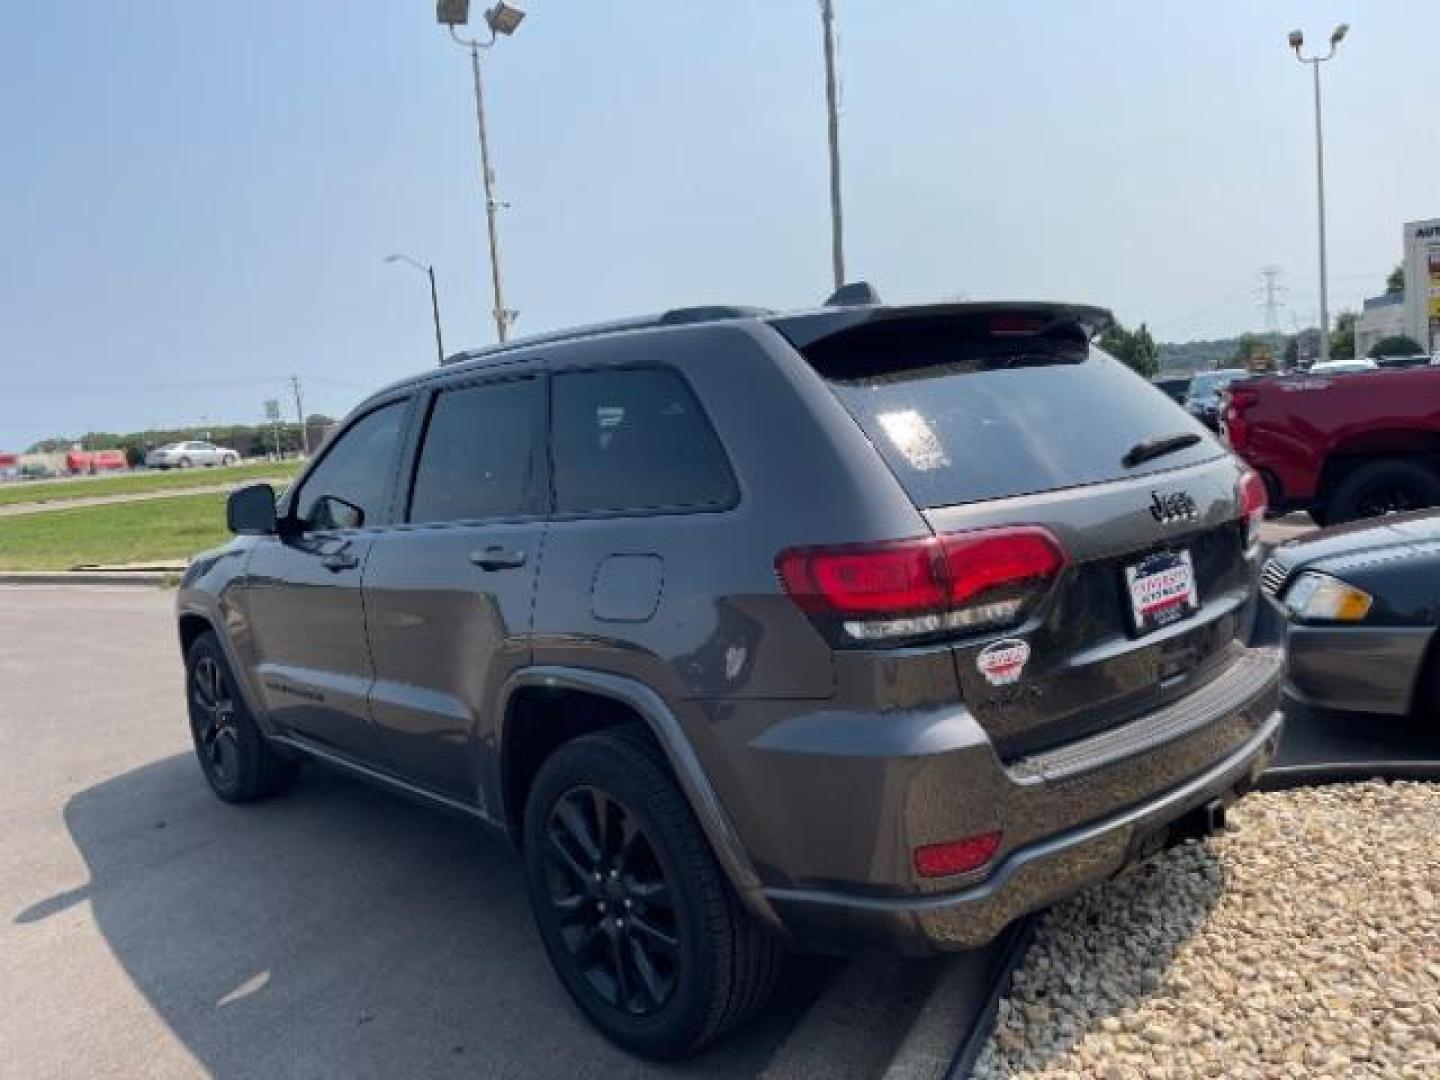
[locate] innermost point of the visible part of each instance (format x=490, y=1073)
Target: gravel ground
x=1304, y=942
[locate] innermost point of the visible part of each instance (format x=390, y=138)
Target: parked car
x=1176, y=387
x=1362, y=602
x=830, y=631
x=1341, y=446
x=1343, y=367
x=1203, y=400
x=186, y=455
x=1415, y=360
x=90, y=462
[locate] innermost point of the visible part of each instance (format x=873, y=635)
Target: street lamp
x=1297, y=42
x=429, y=272
x=501, y=19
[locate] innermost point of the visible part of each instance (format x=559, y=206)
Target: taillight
x=1253, y=501
x=907, y=589
x=1232, y=415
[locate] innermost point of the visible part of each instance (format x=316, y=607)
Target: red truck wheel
x=1380, y=488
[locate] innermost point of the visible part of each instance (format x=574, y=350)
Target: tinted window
x=963, y=421
x=478, y=459
x=358, y=467
x=634, y=440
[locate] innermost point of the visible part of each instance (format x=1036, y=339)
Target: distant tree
x=1396, y=281
x=1398, y=345
x=1245, y=348
x=1291, y=357
x=1342, y=338
x=1136, y=349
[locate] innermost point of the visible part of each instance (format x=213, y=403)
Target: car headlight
x=1319, y=596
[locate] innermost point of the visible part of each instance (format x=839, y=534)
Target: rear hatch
x=1004, y=416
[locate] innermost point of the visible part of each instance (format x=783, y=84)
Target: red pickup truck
x=1341, y=446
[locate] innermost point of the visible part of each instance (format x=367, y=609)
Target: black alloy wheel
x=212, y=721
x=636, y=916
x=238, y=761
x=612, y=902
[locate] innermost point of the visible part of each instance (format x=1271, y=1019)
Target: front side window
x=478, y=459
x=358, y=468
x=634, y=440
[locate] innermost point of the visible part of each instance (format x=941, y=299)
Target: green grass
x=149, y=530
x=38, y=491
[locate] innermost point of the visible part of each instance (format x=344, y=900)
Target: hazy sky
x=195, y=199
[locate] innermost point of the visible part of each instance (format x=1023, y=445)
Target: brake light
x=914, y=588
x=1254, y=499
x=1237, y=401
x=956, y=856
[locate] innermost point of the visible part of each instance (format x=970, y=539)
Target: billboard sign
x=1422, y=282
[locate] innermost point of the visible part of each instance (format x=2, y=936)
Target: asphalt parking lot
x=149, y=930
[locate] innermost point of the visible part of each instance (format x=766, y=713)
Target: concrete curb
x=958, y=1012
x=1284, y=777
x=154, y=579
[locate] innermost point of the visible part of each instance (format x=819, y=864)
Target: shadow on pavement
x=342, y=932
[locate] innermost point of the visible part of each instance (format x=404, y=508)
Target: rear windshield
x=962, y=421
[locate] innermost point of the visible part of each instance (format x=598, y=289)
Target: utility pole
x=832, y=109
x=300, y=416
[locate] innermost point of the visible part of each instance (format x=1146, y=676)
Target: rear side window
x=961, y=420
x=478, y=457
x=634, y=440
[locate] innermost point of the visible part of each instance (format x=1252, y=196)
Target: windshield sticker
x=915, y=439
x=1003, y=662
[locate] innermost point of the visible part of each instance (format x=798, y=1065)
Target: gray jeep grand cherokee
x=863, y=626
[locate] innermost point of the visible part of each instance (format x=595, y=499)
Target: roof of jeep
x=801, y=328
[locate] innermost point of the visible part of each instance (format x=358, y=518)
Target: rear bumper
x=1070, y=818
x=1029, y=879
x=1370, y=669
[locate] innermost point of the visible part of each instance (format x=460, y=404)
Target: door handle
x=339, y=561
x=497, y=558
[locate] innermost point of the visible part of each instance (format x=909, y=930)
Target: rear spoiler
x=1002, y=319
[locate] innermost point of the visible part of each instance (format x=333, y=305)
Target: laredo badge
x=1003, y=662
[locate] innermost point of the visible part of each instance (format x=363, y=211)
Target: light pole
x=501, y=19
x=429, y=272
x=832, y=113
x=1297, y=42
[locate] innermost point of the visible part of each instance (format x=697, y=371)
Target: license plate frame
x=1161, y=590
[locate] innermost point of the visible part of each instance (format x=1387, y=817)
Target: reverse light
x=956, y=856
x=1254, y=499
x=916, y=588
x=1324, y=598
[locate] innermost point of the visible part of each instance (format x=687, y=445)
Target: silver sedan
x=186, y=455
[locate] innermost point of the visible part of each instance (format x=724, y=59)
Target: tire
x=239, y=765
x=719, y=965
x=1383, y=487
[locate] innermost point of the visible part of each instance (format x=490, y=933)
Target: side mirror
x=333, y=512
x=250, y=511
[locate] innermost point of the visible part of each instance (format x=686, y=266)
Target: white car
x=1342, y=367
x=187, y=455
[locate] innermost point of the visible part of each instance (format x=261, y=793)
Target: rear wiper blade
x=1157, y=447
